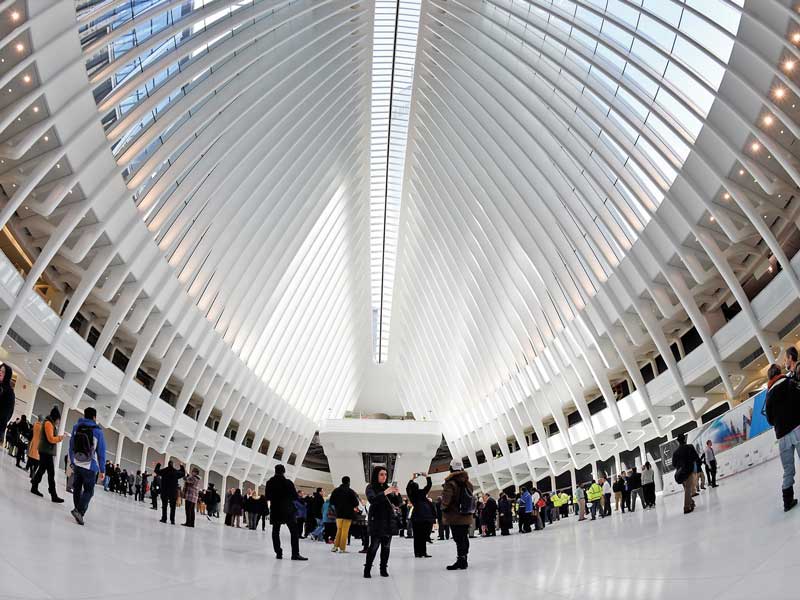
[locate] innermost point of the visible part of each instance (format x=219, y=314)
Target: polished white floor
x=737, y=544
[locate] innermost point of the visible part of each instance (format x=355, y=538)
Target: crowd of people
x=381, y=513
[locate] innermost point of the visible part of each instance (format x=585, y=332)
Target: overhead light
x=788, y=65
x=779, y=92
x=58, y=166
x=755, y=147
x=741, y=171
x=46, y=139
x=711, y=218
x=20, y=47
x=35, y=109
x=14, y=15
x=768, y=120
x=796, y=38
x=26, y=78
x=727, y=196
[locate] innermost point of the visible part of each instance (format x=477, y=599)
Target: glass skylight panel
x=394, y=55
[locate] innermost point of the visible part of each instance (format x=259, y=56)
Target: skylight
x=394, y=54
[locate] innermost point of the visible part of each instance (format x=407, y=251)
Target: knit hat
x=456, y=465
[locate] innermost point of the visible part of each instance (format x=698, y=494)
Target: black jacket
x=7, y=399
x=618, y=486
x=423, y=509
x=783, y=406
x=281, y=494
x=685, y=457
x=170, y=476
x=489, y=512
x=381, y=510
x=635, y=481
x=317, y=501
x=344, y=501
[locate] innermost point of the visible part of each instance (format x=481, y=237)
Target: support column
x=552, y=483
x=643, y=452
x=143, y=462
x=205, y=479
x=616, y=464
x=594, y=470
x=118, y=456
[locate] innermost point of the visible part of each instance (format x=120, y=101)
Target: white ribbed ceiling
x=537, y=198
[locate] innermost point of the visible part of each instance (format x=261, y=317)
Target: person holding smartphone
x=384, y=500
x=423, y=515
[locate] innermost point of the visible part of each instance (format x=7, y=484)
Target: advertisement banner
x=738, y=425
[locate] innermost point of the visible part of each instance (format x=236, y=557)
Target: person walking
x=423, y=514
x=505, y=514
x=191, y=491
x=626, y=491
x=684, y=459
x=137, y=486
x=382, y=519
x=489, y=516
x=281, y=494
x=458, y=504
x=87, y=455
x=236, y=508
x=314, y=515
x=7, y=399
x=170, y=476
x=345, y=504
x=711, y=464
x=782, y=410
x=23, y=438
x=47, y=455
x=212, y=502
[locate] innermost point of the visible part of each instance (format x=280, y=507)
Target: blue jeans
x=788, y=445
x=83, y=488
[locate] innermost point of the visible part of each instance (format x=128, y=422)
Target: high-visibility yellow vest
x=564, y=499
x=594, y=493
x=556, y=500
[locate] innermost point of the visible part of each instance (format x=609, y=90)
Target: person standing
x=212, y=502
x=170, y=476
x=345, y=504
x=636, y=488
x=594, y=493
x=791, y=364
x=783, y=413
x=617, y=488
x=711, y=464
x=145, y=479
x=87, y=455
x=626, y=491
x=649, y=485
x=236, y=508
x=191, y=491
x=155, y=491
x=47, y=455
x=137, y=486
x=458, y=505
x=684, y=459
x=33, y=447
x=281, y=494
x=382, y=520
x=505, y=516
x=489, y=515
x=526, y=509
x=606, y=498
x=444, y=530
x=23, y=438
x=423, y=514
x=580, y=496
x=7, y=399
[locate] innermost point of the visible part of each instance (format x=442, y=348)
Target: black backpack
x=466, y=501
x=83, y=443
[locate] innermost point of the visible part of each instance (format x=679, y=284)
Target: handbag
x=394, y=522
x=682, y=474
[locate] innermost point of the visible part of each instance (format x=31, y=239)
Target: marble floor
x=737, y=544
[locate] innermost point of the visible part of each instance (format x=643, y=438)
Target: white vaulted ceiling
x=540, y=200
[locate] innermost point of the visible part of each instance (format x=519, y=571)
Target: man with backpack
x=458, y=506
x=782, y=410
x=87, y=455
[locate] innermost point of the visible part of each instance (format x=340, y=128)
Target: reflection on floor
x=737, y=544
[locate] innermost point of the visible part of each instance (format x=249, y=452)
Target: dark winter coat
x=281, y=494
x=382, y=510
x=783, y=405
x=345, y=502
x=489, y=512
x=451, y=491
x=423, y=509
x=170, y=477
x=7, y=400
x=316, y=505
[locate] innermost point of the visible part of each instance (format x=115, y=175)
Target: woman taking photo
x=423, y=516
x=384, y=502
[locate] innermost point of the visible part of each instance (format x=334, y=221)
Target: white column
x=594, y=470
x=118, y=457
x=143, y=461
x=643, y=452
x=552, y=483
x=205, y=479
x=616, y=464
x=574, y=479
